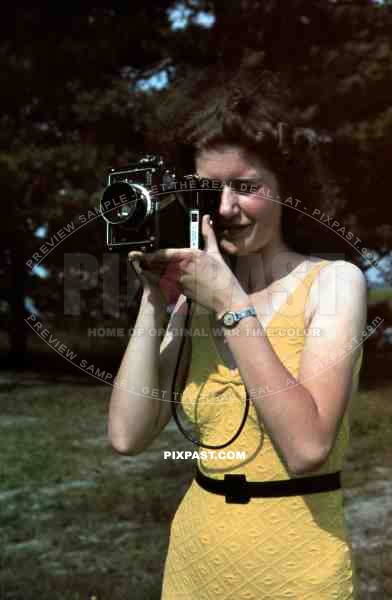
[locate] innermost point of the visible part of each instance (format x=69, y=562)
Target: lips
x=235, y=230
x=232, y=227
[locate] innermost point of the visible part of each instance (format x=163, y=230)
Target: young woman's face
x=249, y=210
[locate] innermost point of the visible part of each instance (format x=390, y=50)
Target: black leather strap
x=237, y=490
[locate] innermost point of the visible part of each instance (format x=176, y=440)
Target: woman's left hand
x=201, y=275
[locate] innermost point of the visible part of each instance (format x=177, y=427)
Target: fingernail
x=135, y=254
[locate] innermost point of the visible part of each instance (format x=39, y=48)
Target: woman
x=300, y=386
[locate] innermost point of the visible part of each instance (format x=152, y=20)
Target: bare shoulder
x=331, y=358
x=336, y=284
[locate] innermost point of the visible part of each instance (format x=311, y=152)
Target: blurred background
x=80, y=94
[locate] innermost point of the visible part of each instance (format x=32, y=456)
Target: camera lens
x=124, y=202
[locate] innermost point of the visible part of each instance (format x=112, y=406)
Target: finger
x=167, y=255
x=170, y=282
x=173, y=273
x=145, y=259
x=151, y=278
x=135, y=255
x=210, y=243
x=136, y=266
x=140, y=265
x=169, y=288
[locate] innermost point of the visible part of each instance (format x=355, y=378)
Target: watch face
x=228, y=319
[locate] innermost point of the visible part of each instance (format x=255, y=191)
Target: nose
x=229, y=203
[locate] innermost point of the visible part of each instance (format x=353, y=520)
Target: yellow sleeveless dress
x=286, y=548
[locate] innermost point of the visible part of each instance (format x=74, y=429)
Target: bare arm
x=302, y=415
x=170, y=348
x=136, y=418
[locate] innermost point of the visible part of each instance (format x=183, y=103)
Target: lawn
x=79, y=521
x=380, y=295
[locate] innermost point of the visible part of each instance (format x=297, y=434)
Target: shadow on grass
x=80, y=521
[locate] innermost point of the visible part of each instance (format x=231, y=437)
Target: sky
x=179, y=17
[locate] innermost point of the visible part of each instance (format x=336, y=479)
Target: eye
x=246, y=187
x=242, y=187
x=208, y=184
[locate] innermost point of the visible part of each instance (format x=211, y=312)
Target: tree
x=73, y=104
x=71, y=108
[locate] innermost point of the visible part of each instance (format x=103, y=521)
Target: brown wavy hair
x=254, y=110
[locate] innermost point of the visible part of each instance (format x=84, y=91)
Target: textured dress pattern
x=286, y=548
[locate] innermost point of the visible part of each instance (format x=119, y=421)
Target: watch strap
x=236, y=316
x=233, y=308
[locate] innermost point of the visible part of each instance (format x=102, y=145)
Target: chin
x=233, y=249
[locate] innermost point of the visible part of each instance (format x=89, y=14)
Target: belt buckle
x=237, y=492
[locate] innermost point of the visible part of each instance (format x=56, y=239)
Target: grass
x=79, y=521
x=380, y=295
x=110, y=336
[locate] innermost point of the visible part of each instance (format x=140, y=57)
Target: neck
x=256, y=272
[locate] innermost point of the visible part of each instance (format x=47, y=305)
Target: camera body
x=147, y=206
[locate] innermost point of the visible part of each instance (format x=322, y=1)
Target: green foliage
x=71, y=106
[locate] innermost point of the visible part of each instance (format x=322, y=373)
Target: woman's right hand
x=160, y=290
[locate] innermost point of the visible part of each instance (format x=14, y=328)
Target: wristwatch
x=230, y=318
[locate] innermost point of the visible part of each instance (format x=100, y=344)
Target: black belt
x=237, y=490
